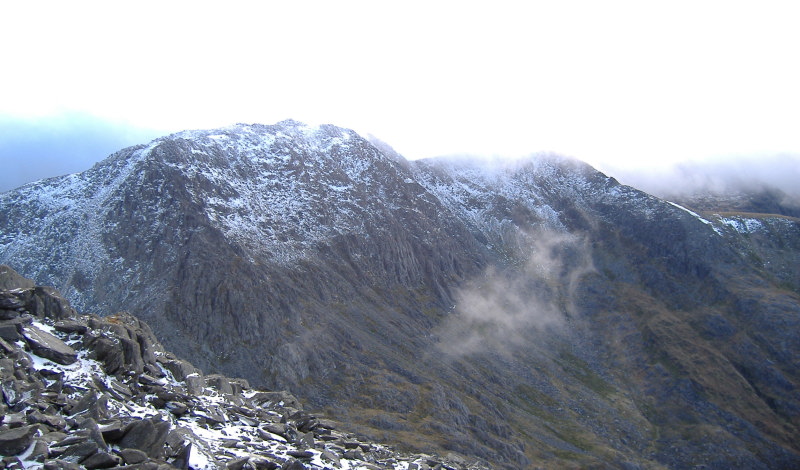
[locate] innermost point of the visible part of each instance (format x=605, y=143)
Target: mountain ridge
x=493, y=308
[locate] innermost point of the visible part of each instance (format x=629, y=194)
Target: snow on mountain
x=519, y=312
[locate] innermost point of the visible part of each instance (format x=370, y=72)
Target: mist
x=508, y=308
x=40, y=148
x=720, y=176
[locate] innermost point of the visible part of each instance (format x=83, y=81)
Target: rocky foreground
x=80, y=391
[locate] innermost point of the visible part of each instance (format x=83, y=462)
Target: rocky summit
x=526, y=313
x=81, y=391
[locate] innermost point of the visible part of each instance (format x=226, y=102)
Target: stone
x=48, y=303
x=300, y=454
x=220, y=383
x=11, y=391
x=100, y=460
x=92, y=430
x=10, y=279
x=12, y=463
x=180, y=459
x=293, y=465
x=112, y=430
x=180, y=369
x=276, y=399
x=53, y=422
x=195, y=384
x=92, y=405
x=79, y=451
x=70, y=326
x=8, y=330
x=177, y=408
x=263, y=464
x=58, y=464
x=331, y=457
x=48, y=346
x=105, y=350
x=40, y=451
x=17, y=440
x=147, y=435
x=237, y=464
x=132, y=456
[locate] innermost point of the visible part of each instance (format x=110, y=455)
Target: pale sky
x=625, y=83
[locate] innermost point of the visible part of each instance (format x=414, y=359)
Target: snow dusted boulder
x=48, y=346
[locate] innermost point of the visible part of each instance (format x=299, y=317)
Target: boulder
x=132, y=456
x=90, y=427
x=79, y=451
x=8, y=330
x=147, y=435
x=71, y=326
x=45, y=345
x=237, y=464
x=293, y=465
x=100, y=460
x=17, y=440
x=10, y=279
x=48, y=303
x=180, y=369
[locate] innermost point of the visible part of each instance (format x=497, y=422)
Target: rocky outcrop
x=85, y=392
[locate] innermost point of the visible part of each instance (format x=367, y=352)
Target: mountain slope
x=103, y=393
x=529, y=313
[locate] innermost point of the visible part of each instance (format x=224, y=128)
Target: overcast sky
x=625, y=83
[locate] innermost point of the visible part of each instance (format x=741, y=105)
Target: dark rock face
x=80, y=416
x=524, y=313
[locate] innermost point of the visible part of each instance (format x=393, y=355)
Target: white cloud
x=623, y=81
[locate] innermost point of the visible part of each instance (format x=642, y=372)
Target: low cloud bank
x=718, y=176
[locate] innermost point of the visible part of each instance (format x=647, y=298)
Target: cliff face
x=524, y=312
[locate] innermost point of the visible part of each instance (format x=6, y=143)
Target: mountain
x=530, y=313
x=81, y=391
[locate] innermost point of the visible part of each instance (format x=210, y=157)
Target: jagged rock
x=100, y=460
x=12, y=392
x=58, y=464
x=132, y=456
x=263, y=464
x=71, y=326
x=46, y=302
x=282, y=399
x=92, y=405
x=293, y=465
x=53, y=422
x=48, y=346
x=10, y=279
x=15, y=441
x=93, y=432
x=237, y=464
x=331, y=457
x=147, y=435
x=40, y=452
x=195, y=383
x=9, y=330
x=112, y=431
x=77, y=452
x=179, y=369
x=177, y=408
